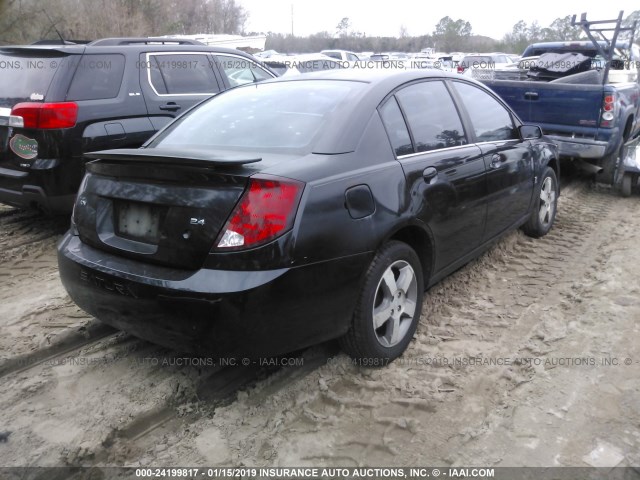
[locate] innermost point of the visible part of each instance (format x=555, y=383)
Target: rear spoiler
x=186, y=156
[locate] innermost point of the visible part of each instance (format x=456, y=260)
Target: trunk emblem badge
x=197, y=221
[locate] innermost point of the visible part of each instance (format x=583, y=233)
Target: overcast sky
x=492, y=19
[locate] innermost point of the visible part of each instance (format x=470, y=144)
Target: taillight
x=608, y=110
x=265, y=211
x=44, y=115
x=460, y=69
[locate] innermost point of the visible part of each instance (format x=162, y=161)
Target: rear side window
x=240, y=70
x=96, y=77
x=185, y=74
x=432, y=116
x=491, y=121
x=396, y=127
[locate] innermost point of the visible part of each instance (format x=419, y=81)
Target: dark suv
x=58, y=102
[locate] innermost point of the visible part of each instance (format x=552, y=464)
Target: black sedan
x=283, y=214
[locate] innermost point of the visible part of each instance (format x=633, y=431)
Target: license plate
x=138, y=221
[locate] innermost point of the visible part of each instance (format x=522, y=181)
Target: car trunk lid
x=159, y=205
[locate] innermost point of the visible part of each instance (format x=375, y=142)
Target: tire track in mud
x=218, y=387
x=65, y=346
x=29, y=263
x=520, y=296
x=334, y=413
x=34, y=308
x=21, y=228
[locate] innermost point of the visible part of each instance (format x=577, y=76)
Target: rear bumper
x=206, y=312
x=49, y=185
x=31, y=196
x=579, y=148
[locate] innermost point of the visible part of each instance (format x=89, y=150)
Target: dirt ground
x=528, y=356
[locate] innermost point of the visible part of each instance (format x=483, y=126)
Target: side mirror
x=530, y=132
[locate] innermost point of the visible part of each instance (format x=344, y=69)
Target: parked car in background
x=292, y=65
x=59, y=101
x=344, y=55
x=482, y=66
x=293, y=211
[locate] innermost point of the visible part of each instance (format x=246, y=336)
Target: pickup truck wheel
x=388, y=308
x=627, y=180
x=545, y=206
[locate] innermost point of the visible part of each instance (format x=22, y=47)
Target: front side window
x=491, y=120
x=432, y=116
x=182, y=73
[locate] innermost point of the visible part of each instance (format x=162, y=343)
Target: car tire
x=545, y=206
x=388, y=307
x=627, y=182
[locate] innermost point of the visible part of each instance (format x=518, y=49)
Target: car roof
x=375, y=75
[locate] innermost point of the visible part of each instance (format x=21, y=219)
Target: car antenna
x=53, y=25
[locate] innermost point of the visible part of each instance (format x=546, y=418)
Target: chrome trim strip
x=411, y=155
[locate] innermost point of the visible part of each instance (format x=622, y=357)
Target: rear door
x=111, y=111
x=172, y=82
x=445, y=174
x=508, y=160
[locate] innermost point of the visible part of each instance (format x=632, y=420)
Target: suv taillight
x=461, y=69
x=265, y=211
x=608, y=110
x=45, y=115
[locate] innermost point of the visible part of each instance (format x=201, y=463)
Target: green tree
x=451, y=35
x=561, y=30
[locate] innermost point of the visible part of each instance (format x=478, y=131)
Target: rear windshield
x=285, y=116
x=25, y=78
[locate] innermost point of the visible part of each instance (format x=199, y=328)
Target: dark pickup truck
x=591, y=114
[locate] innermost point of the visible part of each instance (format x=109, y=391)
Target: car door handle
x=171, y=106
x=496, y=161
x=531, y=95
x=429, y=174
